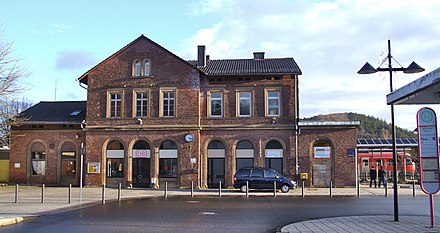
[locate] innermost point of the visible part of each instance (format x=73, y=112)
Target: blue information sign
x=428, y=150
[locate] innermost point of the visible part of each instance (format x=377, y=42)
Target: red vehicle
x=406, y=167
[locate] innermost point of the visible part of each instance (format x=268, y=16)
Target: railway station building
x=152, y=117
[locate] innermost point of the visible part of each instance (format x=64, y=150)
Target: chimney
x=201, y=55
x=258, y=55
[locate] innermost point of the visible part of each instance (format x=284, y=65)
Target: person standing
x=373, y=176
x=382, y=173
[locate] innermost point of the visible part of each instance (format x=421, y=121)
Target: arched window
x=216, y=145
x=147, y=67
x=168, y=160
x=274, y=156
x=115, y=160
x=137, y=68
x=38, y=159
x=244, y=154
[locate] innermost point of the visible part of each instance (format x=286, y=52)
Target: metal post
x=247, y=188
x=166, y=190
x=119, y=192
x=16, y=193
x=393, y=131
x=220, y=189
x=302, y=189
x=358, y=190
x=331, y=188
x=192, y=188
x=431, y=202
x=70, y=194
x=42, y=193
x=386, y=191
x=274, y=188
x=103, y=194
x=81, y=173
x=414, y=188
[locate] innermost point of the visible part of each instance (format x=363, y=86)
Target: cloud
x=330, y=40
x=75, y=60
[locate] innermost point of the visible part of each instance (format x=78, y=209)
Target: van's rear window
x=243, y=172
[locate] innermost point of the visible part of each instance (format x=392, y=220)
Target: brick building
x=153, y=117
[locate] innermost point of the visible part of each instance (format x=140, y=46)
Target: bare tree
x=11, y=72
x=9, y=112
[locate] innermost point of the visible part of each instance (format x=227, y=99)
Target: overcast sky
x=58, y=41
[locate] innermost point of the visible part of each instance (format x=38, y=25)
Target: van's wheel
x=243, y=188
x=285, y=188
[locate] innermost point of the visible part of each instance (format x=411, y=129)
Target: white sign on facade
x=141, y=154
x=322, y=152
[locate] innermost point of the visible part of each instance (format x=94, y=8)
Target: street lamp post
x=412, y=68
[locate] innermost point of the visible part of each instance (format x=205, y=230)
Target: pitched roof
x=60, y=112
x=84, y=78
x=250, y=66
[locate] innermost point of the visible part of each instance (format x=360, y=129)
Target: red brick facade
x=163, y=137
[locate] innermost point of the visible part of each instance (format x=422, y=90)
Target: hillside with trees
x=371, y=127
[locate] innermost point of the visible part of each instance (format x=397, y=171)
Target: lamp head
x=367, y=69
x=413, y=68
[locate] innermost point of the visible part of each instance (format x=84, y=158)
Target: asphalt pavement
x=33, y=201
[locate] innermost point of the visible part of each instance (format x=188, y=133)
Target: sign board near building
x=322, y=152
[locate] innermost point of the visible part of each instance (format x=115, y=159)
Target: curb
x=10, y=220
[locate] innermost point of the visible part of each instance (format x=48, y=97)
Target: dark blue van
x=262, y=178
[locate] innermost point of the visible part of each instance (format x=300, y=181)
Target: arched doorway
x=68, y=160
x=322, y=162
x=274, y=156
x=216, y=164
x=168, y=164
x=244, y=154
x=115, y=161
x=141, y=164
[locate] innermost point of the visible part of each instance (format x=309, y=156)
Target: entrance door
x=141, y=173
x=216, y=172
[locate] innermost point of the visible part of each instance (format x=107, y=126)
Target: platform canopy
x=424, y=90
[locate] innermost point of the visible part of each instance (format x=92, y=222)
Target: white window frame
x=162, y=101
x=239, y=98
x=211, y=98
x=268, y=107
x=144, y=99
x=146, y=68
x=137, y=68
x=110, y=102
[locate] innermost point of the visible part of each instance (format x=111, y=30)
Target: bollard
x=274, y=189
x=119, y=192
x=414, y=188
x=358, y=188
x=166, y=190
x=103, y=194
x=220, y=189
x=16, y=193
x=247, y=188
x=331, y=184
x=386, y=190
x=70, y=194
x=192, y=188
x=302, y=189
x=42, y=193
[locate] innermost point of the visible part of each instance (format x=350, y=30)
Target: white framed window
x=147, y=67
x=140, y=108
x=137, y=68
x=244, y=103
x=168, y=103
x=273, y=103
x=115, y=104
x=215, y=104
